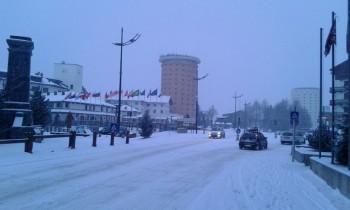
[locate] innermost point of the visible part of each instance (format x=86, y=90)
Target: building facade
x=309, y=99
x=178, y=81
x=91, y=112
x=341, y=85
x=70, y=74
x=39, y=82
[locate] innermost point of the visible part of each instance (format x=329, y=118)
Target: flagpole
x=320, y=119
x=333, y=103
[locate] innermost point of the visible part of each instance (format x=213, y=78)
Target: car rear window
x=287, y=134
x=248, y=136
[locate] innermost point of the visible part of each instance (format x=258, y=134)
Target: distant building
x=178, y=82
x=309, y=99
x=158, y=107
x=70, y=74
x=38, y=82
x=92, y=112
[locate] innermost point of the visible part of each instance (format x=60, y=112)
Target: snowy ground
x=167, y=171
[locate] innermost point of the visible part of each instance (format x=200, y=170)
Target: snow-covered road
x=167, y=171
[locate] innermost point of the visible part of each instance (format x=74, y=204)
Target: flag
x=149, y=93
x=331, y=39
x=136, y=93
x=143, y=93
x=114, y=93
x=96, y=95
x=130, y=94
x=85, y=96
x=106, y=96
x=126, y=93
x=68, y=96
x=155, y=92
x=72, y=96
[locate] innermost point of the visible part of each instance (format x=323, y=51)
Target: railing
x=28, y=142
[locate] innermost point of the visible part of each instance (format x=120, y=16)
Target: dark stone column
x=16, y=101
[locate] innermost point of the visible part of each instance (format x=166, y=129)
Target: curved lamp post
x=122, y=44
x=197, y=79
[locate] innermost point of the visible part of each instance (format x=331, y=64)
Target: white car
x=216, y=133
x=288, y=136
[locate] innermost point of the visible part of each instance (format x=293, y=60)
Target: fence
x=28, y=142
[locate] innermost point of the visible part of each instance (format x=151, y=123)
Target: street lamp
x=197, y=79
x=245, y=114
x=235, y=97
x=121, y=44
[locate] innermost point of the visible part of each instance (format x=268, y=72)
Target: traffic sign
x=113, y=127
x=294, y=115
x=238, y=131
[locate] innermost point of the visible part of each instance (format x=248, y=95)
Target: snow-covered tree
x=40, y=108
x=145, y=126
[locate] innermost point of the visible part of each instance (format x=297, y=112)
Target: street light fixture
x=122, y=44
x=235, y=97
x=197, y=79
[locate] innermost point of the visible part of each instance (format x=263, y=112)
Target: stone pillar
x=15, y=112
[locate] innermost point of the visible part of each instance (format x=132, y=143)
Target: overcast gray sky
x=259, y=48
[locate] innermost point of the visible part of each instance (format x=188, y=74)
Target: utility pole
x=235, y=97
x=245, y=114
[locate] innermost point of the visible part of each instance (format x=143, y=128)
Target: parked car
x=288, y=136
x=107, y=131
x=253, y=139
x=216, y=133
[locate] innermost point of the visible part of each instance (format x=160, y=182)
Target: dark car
x=253, y=139
x=107, y=131
x=216, y=133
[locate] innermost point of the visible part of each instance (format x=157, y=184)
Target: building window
x=45, y=90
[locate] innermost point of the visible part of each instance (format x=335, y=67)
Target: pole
x=348, y=51
x=333, y=103
x=235, y=97
x=121, y=44
x=293, y=148
x=245, y=114
x=120, y=81
x=197, y=79
x=320, y=117
x=197, y=111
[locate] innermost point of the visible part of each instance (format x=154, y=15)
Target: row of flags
x=133, y=93
x=85, y=96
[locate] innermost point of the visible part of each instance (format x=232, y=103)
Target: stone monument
x=15, y=112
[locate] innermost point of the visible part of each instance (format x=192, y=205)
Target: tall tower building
x=309, y=99
x=178, y=82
